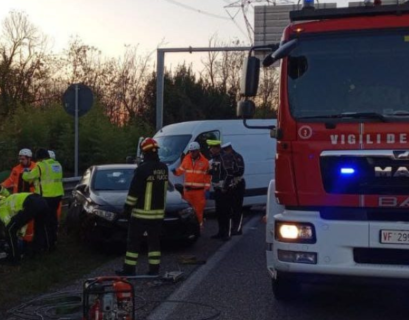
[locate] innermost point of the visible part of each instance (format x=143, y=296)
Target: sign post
x=77, y=101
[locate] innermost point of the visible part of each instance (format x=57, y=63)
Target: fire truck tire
x=285, y=289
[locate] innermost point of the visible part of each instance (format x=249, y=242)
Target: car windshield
x=361, y=73
x=171, y=147
x=116, y=180
x=112, y=179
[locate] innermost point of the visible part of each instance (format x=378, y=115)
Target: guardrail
x=69, y=184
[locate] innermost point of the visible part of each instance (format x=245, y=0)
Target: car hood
x=115, y=200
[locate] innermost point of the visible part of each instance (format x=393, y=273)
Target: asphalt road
x=234, y=285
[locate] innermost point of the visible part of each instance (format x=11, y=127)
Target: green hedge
x=4, y=175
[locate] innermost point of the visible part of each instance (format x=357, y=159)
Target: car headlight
x=93, y=209
x=187, y=212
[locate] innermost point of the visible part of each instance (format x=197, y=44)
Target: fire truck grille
x=381, y=256
x=367, y=175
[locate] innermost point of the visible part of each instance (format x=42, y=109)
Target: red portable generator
x=108, y=298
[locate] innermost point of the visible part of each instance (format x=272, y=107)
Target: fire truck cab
x=338, y=207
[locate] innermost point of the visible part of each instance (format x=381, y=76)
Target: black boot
x=216, y=236
x=153, y=270
x=127, y=271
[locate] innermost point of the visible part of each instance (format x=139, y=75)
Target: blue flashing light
x=347, y=171
x=308, y=3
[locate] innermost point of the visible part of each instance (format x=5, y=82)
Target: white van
x=255, y=145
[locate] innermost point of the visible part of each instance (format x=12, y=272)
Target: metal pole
x=160, y=80
x=76, y=131
x=160, y=67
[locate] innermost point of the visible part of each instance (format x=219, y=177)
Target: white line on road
x=166, y=309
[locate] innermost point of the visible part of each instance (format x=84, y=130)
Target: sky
x=111, y=24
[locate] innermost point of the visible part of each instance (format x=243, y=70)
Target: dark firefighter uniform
x=238, y=187
x=15, y=212
x=221, y=170
x=146, y=204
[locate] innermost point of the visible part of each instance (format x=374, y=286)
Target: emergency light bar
x=320, y=14
x=308, y=4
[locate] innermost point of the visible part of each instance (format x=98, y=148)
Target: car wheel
x=86, y=232
x=192, y=240
x=285, y=289
x=73, y=218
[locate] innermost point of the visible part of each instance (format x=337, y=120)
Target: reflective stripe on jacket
x=148, y=190
x=47, y=177
x=196, y=172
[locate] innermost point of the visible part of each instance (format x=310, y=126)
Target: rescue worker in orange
x=17, y=184
x=197, y=179
x=15, y=180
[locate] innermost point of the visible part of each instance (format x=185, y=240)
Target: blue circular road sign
x=85, y=99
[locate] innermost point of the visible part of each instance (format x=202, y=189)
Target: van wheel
x=285, y=289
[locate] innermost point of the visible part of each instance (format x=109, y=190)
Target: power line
x=197, y=10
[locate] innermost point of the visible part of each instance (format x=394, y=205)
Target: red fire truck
x=339, y=206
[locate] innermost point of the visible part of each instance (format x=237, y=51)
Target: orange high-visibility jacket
x=196, y=172
x=15, y=180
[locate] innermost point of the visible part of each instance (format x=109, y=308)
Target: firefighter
x=16, y=211
x=47, y=178
x=221, y=170
x=17, y=184
x=146, y=206
x=197, y=179
x=238, y=187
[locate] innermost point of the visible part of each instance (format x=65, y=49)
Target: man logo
x=391, y=172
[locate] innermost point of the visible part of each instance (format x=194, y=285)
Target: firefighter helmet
x=149, y=145
x=193, y=146
x=25, y=152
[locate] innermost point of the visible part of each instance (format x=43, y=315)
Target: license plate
x=395, y=236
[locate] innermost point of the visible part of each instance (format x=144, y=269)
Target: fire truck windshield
x=347, y=73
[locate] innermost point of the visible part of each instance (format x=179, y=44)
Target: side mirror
x=282, y=52
x=246, y=109
x=250, y=77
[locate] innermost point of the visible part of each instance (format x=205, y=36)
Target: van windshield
x=171, y=147
x=350, y=72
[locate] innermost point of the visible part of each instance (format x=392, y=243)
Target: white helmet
x=51, y=154
x=26, y=153
x=193, y=146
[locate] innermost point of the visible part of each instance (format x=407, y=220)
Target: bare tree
x=23, y=62
x=268, y=94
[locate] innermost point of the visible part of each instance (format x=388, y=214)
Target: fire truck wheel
x=285, y=289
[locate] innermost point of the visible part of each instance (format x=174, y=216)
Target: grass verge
x=36, y=276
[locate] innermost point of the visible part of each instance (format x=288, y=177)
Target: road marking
x=183, y=292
